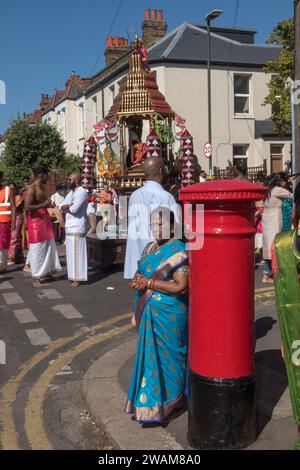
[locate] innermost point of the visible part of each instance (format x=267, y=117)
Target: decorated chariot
x=140, y=124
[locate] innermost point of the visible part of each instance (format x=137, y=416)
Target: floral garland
x=163, y=130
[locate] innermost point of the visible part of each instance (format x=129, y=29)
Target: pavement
x=106, y=382
x=69, y=356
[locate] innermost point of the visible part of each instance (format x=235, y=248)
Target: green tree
x=282, y=71
x=30, y=146
x=69, y=164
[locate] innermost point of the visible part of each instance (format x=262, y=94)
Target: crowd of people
x=32, y=221
x=273, y=215
x=156, y=264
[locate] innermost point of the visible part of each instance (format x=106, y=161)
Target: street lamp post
x=211, y=16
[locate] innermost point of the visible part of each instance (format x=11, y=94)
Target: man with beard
x=77, y=225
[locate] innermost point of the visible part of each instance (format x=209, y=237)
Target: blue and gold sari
x=159, y=376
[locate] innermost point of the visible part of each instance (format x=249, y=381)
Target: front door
x=276, y=158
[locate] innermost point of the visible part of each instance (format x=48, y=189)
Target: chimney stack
x=115, y=49
x=154, y=26
x=44, y=102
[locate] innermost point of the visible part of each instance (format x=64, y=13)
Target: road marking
x=65, y=370
x=67, y=310
x=8, y=433
x=13, y=298
x=50, y=294
x=25, y=315
x=34, y=425
x=5, y=285
x=38, y=337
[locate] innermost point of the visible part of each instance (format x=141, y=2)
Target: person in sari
x=287, y=205
x=286, y=262
x=161, y=313
x=272, y=219
x=43, y=255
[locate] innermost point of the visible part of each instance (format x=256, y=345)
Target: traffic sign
x=207, y=149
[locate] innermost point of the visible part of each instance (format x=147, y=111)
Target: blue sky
x=41, y=42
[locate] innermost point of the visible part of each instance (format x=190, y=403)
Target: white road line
x=50, y=294
x=5, y=285
x=25, y=315
x=68, y=311
x=38, y=337
x=13, y=298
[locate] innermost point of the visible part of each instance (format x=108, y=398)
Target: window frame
x=240, y=156
x=242, y=95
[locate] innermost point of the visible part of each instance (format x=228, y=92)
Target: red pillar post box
x=221, y=320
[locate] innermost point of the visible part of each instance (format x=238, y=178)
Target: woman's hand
x=139, y=282
x=133, y=322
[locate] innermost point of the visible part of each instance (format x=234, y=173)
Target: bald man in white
x=77, y=226
x=141, y=204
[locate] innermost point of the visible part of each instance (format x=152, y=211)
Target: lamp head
x=213, y=15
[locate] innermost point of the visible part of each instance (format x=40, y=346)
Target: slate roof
x=188, y=43
x=53, y=101
x=75, y=86
x=266, y=129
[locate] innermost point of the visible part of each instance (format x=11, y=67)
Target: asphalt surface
x=52, y=336
x=276, y=429
x=39, y=327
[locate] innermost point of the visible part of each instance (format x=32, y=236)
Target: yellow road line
x=34, y=425
x=9, y=435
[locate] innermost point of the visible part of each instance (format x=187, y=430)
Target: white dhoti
x=76, y=256
x=43, y=258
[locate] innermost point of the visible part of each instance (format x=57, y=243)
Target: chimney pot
x=160, y=15
x=147, y=14
x=154, y=29
x=115, y=49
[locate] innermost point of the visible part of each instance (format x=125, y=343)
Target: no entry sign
x=207, y=149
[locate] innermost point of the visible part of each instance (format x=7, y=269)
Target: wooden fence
x=229, y=173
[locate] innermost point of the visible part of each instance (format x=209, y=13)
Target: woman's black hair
x=165, y=212
x=274, y=179
x=169, y=215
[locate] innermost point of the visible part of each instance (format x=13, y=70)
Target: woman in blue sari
x=161, y=315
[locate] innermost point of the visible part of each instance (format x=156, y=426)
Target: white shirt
x=58, y=199
x=77, y=218
x=202, y=180
x=141, y=203
x=91, y=208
